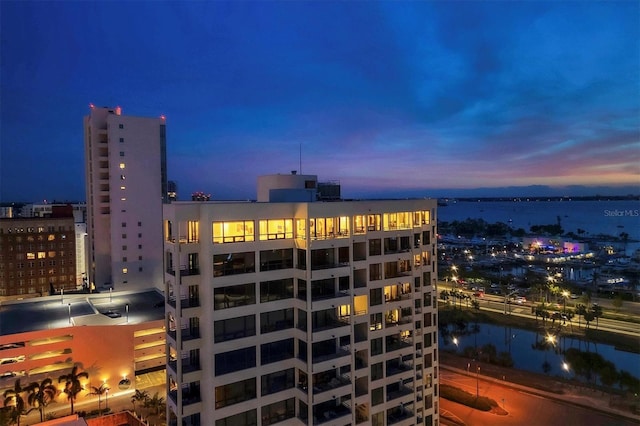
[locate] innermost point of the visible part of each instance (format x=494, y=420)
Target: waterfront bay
x=609, y=218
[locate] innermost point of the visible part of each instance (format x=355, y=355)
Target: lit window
x=42, y=255
x=122, y=177
x=31, y=255
x=122, y=165
x=276, y=229
x=233, y=232
x=123, y=199
x=123, y=187
x=125, y=270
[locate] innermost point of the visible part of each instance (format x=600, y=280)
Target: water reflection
x=538, y=352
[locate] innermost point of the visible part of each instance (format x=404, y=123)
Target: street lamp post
x=477, y=381
x=110, y=294
x=127, y=309
x=69, y=313
x=106, y=400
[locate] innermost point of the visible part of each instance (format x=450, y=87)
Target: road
x=522, y=408
x=496, y=304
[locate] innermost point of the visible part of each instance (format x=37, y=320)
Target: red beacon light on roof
x=118, y=110
x=162, y=117
x=92, y=106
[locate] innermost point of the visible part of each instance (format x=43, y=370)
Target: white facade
x=125, y=160
x=301, y=313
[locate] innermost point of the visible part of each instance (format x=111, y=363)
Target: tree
x=580, y=311
x=155, y=403
x=99, y=391
x=139, y=396
x=597, y=313
x=15, y=396
x=588, y=317
x=72, y=386
x=41, y=394
x=617, y=302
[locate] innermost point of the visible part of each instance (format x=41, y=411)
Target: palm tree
x=580, y=311
x=14, y=395
x=41, y=394
x=597, y=312
x=99, y=391
x=72, y=386
x=139, y=396
x=156, y=403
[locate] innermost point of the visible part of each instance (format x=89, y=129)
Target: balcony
x=185, y=302
x=328, y=296
x=184, y=271
x=397, y=391
x=326, y=412
x=340, y=352
x=397, y=415
x=329, y=324
x=396, y=367
x=186, y=334
x=393, y=343
x=334, y=383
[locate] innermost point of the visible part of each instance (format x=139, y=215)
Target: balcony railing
x=330, y=324
x=326, y=357
x=399, y=415
x=397, y=368
x=398, y=393
x=327, y=296
x=399, y=344
x=184, y=271
x=327, y=415
x=335, y=382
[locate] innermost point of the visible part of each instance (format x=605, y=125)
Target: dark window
x=234, y=393
x=375, y=247
x=278, y=381
x=375, y=296
x=278, y=411
x=234, y=328
x=376, y=371
x=276, y=351
x=121, y=126
x=323, y=259
x=376, y=346
x=271, y=260
x=377, y=396
x=233, y=263
x=276, y=320
x=302, y=259
x=241, y=359
x=276, y=290
x=121, y=139
x=375, y=272
x=248, y=418
x=235, y=295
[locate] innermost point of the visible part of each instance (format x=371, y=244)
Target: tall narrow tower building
x=126, y=183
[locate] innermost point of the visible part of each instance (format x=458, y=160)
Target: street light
x=565, y=294
x=69, y=313
x=477, y=381
x=127, y=309
x=106, y=400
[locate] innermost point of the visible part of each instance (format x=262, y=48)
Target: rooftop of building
x=59, y=311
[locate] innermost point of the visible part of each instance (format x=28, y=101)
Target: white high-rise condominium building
x=301, y=313
x=126, y=181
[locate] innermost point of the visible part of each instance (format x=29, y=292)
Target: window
x=377, y=397
x=248, y=418
x=276, y=351
x=121, y=140
x=375, y=322
x=240, y=359
x=121, y=126
x=233, y=232
x=122, y=166
x=278, y=411
x=376, y=346
x=301, y=229
x=121, y=153
x=375, y=272
x=375, y=247
x=376, y=371
x=276, y=320
x=375, y=296
x=233, y=263
x=359, y=224
x=124, y=224
x=276, y=290
x=193, y=231
x=276, y=229
x=234, y=328
x=271, y=260
x=235, y=295
x=235, y=393
x=277, y=382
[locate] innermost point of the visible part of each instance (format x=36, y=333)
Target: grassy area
x=460, y=396
x=447, y=315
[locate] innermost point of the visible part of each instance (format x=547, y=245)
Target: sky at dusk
x=389, y=98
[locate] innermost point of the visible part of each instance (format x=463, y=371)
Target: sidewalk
x=537, y=384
